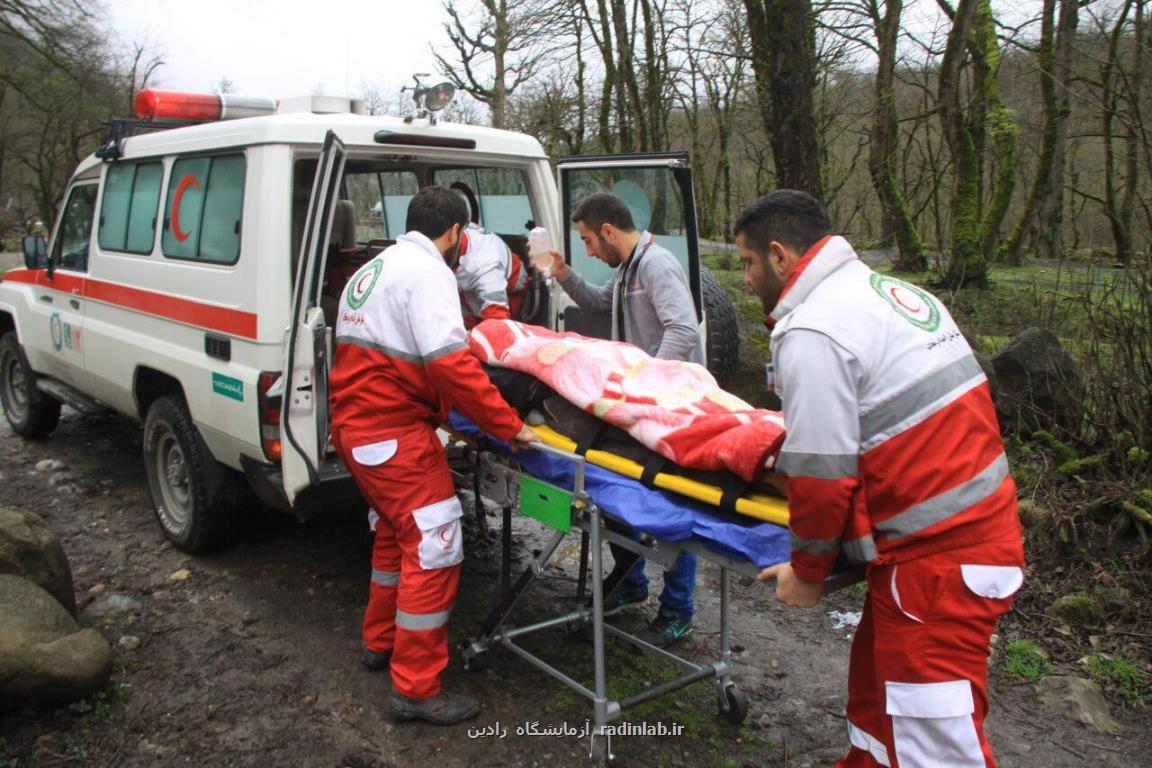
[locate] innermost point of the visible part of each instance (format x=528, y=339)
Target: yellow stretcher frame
x=757, y=505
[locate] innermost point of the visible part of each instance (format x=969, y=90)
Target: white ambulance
x=193, y=272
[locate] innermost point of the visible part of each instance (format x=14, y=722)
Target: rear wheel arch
x=149, y=385
x=8, y=324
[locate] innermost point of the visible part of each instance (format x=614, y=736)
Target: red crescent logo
x=360, y=282
x=187, y=181
x=914, y=310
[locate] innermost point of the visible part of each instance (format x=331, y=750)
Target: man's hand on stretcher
x=523, y=437
x=792, y=590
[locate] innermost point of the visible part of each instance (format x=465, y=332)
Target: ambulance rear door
x=657, y=188
x=307, y=349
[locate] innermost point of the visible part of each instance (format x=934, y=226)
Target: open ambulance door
x=304, y=410
x=658, y=190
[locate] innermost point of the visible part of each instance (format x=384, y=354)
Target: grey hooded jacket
x=659, y=315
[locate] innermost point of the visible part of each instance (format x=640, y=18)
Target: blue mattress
x=660, y=514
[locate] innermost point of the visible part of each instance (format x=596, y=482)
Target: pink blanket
x=676, y=409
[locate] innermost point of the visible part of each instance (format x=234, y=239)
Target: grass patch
x=1026, y=660
x=1121, y=675
x=100, y=704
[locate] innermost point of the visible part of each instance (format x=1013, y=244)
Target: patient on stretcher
x=669, y=417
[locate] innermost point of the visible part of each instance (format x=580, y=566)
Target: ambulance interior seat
x=344, y=258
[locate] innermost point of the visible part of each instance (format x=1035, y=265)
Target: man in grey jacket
x=651, y=307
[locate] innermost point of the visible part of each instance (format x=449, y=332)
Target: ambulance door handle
x=75, y=303
x=46, y=298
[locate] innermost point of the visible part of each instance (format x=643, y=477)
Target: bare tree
x=508, y=37
x=885, y=137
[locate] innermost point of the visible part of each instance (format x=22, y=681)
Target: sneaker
x=442, y=709
x=667, y=628
x=624, y=597
x=374, y=661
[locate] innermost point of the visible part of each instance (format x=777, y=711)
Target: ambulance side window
x=75, y=232
x=381, y=199
x=203, y=210
x=128, y=207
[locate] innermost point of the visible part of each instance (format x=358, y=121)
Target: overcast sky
x=284, y=48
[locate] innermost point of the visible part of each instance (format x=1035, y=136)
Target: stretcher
x=568, y=492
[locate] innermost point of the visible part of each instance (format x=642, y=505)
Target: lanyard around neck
x=623, y=287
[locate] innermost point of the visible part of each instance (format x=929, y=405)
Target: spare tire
x=723, y=330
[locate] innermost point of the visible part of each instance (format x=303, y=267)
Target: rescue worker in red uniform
x=893, y=458
x=401, y=364
x=490, y=277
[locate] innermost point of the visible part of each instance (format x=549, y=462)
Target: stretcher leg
x=506, y=545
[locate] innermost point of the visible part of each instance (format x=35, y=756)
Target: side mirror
x=35, y=252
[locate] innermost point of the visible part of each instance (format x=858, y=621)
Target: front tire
x=195, y=497
x=30, y=412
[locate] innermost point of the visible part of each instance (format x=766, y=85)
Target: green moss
x=1026, y=660
x=1121, y=676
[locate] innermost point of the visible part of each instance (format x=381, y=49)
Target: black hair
x=790, y=217
x=433, y=210
x=604, y=208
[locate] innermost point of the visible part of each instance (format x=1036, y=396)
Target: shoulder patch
x=915, y=305
x=362, y=284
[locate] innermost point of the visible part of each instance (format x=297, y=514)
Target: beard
x=452, y=255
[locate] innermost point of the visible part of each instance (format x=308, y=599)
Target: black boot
x=443, y=709
x=375, y=661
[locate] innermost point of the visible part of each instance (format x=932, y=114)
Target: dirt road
x=249, y=657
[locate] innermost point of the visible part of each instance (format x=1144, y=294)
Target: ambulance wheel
x=195, y=497
x=734, y=707
x=30, y=412
x=723, y=330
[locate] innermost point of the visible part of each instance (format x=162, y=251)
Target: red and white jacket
x=489, y=276
x=401, y=355
x=893, y=451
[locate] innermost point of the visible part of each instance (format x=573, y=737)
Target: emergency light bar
x=152, y=103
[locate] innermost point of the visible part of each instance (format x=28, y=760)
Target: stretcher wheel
x=477, y=663
x=599, y=752
x=735, y=705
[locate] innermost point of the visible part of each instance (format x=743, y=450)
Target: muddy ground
x=249, y=657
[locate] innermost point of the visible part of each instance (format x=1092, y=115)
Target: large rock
x=30, y=550
x=1038, y=384
x=1078, y=699
x=45, y=657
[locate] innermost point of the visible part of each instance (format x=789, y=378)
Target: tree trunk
x=1116, y=205
x=885, y=138
x=1043, y=215
x=783, y=40
x=1001, y=124
x=967, y=265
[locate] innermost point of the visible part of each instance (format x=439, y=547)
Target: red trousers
x=416, y=557
x=916, y=682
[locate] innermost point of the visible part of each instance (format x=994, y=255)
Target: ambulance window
x=381, y=201
x=128, y=207
x=75, y=232
x=502, y=195
x=203, y=209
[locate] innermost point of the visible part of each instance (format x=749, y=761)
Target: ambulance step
x=69, y=396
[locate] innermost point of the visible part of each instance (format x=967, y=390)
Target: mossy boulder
x=45, y=656
x=30, y=550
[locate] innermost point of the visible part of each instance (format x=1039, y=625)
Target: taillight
x=152, y=103
x=269, y=402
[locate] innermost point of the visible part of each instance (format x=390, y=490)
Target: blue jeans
x=679, y=583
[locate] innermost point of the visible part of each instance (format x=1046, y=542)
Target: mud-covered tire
x=723, y=328
x=195, y=498
x=30, y=412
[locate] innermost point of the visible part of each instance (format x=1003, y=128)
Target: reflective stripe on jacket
x=893, y=450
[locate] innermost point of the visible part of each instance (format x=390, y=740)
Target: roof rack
x=119, y=128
